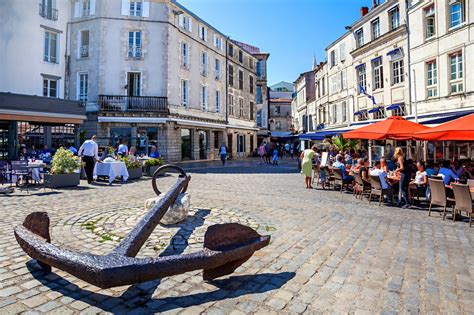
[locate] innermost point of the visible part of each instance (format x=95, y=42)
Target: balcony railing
x=135, y=52
x=118, y=103
x=48, y=12
x=84, y=51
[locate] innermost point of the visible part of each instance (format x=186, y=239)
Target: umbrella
x=461, y=129
x=394, y=127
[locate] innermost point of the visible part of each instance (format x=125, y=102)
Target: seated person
x=154, y=153
x=72, y=149
x=387, y=188
x=384, y=165
x=446, y=172
x=430, y=169
x=420, y=182
x=364, y=171
x=338, y=164
x=132, y=154
x=46, y=155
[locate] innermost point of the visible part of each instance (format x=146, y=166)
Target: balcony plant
x=64, y=170
x=134, y=167
x=151, y=165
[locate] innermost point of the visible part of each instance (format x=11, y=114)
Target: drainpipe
x=227, y=83
x=407, y=23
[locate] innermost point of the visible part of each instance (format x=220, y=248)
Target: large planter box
x=62, y=180
x=134, y=173
x=150, y=170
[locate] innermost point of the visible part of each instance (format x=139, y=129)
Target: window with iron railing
x=84, y=47
x=134, y=45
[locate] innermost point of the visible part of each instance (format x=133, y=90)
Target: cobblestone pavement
x=329, y=252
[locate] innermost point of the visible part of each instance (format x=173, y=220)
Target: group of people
x=45, y=154
x=398, y=175
x=270, y=153
x=89, y=152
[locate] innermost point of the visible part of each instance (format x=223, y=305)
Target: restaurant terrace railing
x=118, y=103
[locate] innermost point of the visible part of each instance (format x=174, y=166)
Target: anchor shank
x=133, y=242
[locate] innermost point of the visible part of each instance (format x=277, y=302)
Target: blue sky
x=290, y=30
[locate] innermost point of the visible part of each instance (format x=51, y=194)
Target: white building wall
x=439, y=48
x=22, y=64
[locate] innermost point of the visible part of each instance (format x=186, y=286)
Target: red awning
x=395, y=127
x=461, y=129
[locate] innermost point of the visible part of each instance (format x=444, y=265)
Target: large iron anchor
x=226, y=247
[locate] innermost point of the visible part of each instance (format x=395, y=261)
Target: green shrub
x=154, y=162
x=64, y=162
x=130, y=163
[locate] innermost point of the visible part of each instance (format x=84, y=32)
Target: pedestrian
x=268, y=153
x=223, y=153
x=307, y=165
x=89, y=151
x=292, y=151
x=275, y=157
x=261, y=152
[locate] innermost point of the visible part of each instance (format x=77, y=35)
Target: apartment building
x=241, y=78
x=33, y=78
x=304, y=102
x=380, y=62
x=442, y=57
x=150, y=73
x=280, y=120
x=340, y=73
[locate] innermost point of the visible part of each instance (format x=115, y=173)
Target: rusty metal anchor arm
x=133, y=242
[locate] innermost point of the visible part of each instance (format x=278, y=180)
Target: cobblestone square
x=330, y=253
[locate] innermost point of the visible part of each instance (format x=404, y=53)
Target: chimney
x=364, y=11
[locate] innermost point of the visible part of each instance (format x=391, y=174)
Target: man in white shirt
x=89, y=151
x=387, y=188
x=122, y=149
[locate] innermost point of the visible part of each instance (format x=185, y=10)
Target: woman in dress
x=307, y=165
x=403, y=168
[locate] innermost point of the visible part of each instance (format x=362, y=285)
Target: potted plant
x=64, y=170
x=134, y=167
x=151, y=165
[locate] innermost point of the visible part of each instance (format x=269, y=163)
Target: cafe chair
x=376, y=189
x=463, y=197
x=438, y=196
x=361, y=187
x=338, y=180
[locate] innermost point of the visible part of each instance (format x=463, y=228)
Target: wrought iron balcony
x=135, y=52
x=48, y=12
x=84, y=51
x=119, y=103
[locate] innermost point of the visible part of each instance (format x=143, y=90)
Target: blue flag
x=363, y=91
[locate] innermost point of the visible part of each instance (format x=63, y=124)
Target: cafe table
x=111, y=170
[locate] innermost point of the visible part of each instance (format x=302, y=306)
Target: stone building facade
x=152, y=73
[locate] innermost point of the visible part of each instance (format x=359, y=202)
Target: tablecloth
x=112, y=170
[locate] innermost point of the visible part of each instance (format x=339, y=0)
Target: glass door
x=202, y=145
x=186, y=144
x=4, y=148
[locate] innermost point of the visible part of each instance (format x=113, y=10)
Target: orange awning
x=395, y=127
x=461, y=129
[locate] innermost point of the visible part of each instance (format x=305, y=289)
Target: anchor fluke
x=226, y=237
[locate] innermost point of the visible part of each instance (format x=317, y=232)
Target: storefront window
x=62, y=136
x=30, y=136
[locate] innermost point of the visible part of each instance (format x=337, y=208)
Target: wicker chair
x=462, y=195
x=360, y=187
x=338, y=179
x=438, y=196
x=376, y=189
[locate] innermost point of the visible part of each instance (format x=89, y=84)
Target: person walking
x=275, y=157
x=307, y=165
x=268, y=152
x=261, y=152
x=223, y=153
x=89, y=151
